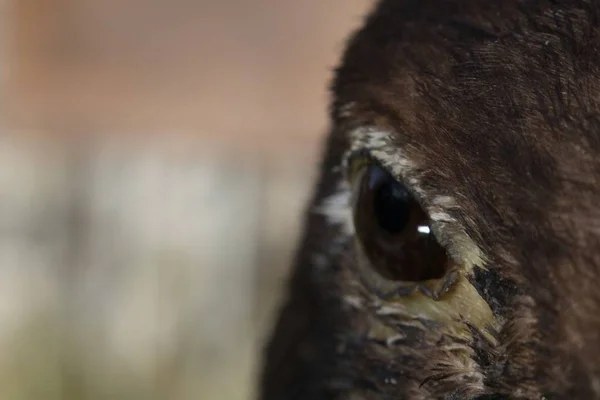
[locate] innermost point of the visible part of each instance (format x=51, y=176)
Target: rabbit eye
x=394, y=230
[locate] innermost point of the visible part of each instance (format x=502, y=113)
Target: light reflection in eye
x=423, y=229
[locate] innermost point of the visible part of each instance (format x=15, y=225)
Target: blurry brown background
x=155, y=157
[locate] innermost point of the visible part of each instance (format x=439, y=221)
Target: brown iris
x=394, y=231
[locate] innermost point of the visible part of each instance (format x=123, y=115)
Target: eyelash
x=355, y=161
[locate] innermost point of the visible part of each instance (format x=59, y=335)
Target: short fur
x=497, y=103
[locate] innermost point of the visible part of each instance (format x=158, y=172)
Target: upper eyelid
x=356, y=159
x=362, y=157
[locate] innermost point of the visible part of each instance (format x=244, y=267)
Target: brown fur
x=498, y=103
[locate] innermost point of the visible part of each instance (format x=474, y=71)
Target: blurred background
x=155, y=158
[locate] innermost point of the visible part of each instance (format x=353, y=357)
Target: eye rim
x=385, y=288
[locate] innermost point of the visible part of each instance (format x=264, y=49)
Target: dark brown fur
x=500, y=102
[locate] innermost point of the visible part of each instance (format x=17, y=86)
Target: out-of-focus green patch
x=43, y=360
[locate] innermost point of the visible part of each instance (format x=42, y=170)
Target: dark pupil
x=392, y=206
x=395, y=231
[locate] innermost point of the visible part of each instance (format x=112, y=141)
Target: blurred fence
x=138, y=273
